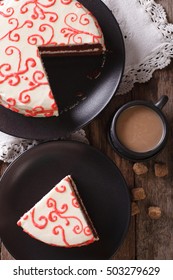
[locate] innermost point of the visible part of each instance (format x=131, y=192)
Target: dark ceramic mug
x=138, y=105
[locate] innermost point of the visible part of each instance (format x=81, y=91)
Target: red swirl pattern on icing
x=29, y=24
x=39, y=110
x=60, y=189
x=25, y=217
x=58, y=213
x=75, y=202
x=56, y=231
x=41, y=219
x=24, y=97
x=12, y=34
x=75, y=35
x=8, y=13
x=87, y=231
x=38, y=40
x=66, y=2
x=13, y=76
x=53, y=215
x=39, y=10
x=11, y=105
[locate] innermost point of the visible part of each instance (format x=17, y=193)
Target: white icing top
x=57, y=218
x=28, y=24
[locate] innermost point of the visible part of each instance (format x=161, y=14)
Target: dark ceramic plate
x=100, y=185
x=80, y=95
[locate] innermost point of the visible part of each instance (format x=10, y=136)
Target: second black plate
x=80, y=95
x=100, y=185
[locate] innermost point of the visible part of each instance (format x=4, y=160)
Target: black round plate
x=100, y=185
x=81, y=95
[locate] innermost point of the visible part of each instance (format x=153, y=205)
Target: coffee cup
x=139, y=129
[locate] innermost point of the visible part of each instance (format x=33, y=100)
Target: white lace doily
x=148, y=41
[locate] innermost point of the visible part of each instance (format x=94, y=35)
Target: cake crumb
x=160, y=169
x=134, y=209
x=154, y=212
x=138, y=194
x=140, y=168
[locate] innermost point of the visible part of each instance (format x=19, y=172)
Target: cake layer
x=30, y=25
x=60, y=218
x=90, y=49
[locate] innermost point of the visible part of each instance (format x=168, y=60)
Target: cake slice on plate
x=34, y=28
x=60, y=218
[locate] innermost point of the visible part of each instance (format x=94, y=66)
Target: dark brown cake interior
x=84, y=49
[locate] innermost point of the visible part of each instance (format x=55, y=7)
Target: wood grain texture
x=146, y=238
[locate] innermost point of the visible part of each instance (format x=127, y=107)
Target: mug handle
x=161, y=102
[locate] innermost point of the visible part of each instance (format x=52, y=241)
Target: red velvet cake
x=60, y=218
x=29, y=29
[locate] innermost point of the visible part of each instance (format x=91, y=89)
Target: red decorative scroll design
x=56, y=231
x=74, y=201
x=39, y=110
x=75, y=35
x=37, y=39
x=51, y=203
x=9, y=12
x=39, y=9
x=5, y=69
x=42, y=220
x=14, y=77
x=13, y=34
x=54, y=105
x=58, y=214
x=11, y=102
x=53, y=215
x=25, y=217
x=66, y=2
x=78, y=5
x=78, y=244
x=60, y=188
x=24, y=97
x=87, y=231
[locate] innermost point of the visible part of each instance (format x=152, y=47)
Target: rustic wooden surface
x=146, y=238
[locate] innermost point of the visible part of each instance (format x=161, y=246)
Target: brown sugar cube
x=138, y=194
x=154, y=212
x=140, y=168
x=134, y=209
x=160, y=169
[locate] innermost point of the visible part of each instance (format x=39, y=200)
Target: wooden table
x=146, y=238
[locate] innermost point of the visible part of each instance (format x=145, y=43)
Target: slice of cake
x=29, y=29
x=60, y=218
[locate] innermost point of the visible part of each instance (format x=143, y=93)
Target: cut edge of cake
x=80, y=49
x=83, y=208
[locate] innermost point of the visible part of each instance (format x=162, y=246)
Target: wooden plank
x=154, y=238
